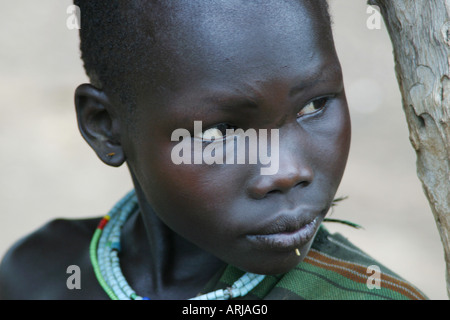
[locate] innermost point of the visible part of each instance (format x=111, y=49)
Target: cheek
x=342, y=135
x=331, y=142
x=192, y=199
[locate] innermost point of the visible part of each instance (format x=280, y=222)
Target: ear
x=98, y=124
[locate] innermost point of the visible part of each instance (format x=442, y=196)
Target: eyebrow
x=227, y=102
x=324, y=74
x=231, y=102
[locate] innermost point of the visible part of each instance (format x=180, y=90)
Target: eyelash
x=222, y=127
x=323, y=104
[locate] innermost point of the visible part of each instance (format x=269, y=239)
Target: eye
x=217, y=133
x=313, y=107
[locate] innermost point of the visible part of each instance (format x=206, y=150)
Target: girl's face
x=259, y=67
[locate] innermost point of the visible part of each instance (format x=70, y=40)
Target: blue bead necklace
x=104, y=253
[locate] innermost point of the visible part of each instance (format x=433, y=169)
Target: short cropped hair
x=110, y=38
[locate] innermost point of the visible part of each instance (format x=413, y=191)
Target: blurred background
x=48, y=171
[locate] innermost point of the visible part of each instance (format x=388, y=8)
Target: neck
x=159, y=263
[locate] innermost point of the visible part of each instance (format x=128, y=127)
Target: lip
x=286, y=233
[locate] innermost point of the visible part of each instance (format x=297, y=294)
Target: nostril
x=293, y=174
x=283, y=190
x=289, y=181
x=302, y=184
x=262, y=191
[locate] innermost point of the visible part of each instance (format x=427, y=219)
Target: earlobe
x=98, y=124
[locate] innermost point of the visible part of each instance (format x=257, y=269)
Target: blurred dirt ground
x=48, y=171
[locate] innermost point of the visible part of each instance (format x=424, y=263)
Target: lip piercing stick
x=297, y=252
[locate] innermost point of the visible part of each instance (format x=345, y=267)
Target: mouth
x=285, y=234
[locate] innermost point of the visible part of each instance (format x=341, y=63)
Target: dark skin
x=262, y=67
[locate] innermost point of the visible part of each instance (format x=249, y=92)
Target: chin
x=276, y=268
x=275, y=264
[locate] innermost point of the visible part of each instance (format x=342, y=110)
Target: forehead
x=229, y=46
x=197, y=37
x=219, y=25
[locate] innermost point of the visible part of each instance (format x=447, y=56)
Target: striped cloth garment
x=334, y=269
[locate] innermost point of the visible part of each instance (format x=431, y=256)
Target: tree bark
x=420, y=35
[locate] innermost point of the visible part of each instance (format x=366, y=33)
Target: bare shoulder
x=38, y=266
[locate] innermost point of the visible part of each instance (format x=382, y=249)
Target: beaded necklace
x=104, y=253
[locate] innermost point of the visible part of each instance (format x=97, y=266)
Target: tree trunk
x=420, y=34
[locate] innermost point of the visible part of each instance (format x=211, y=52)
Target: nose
x=294, y=170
